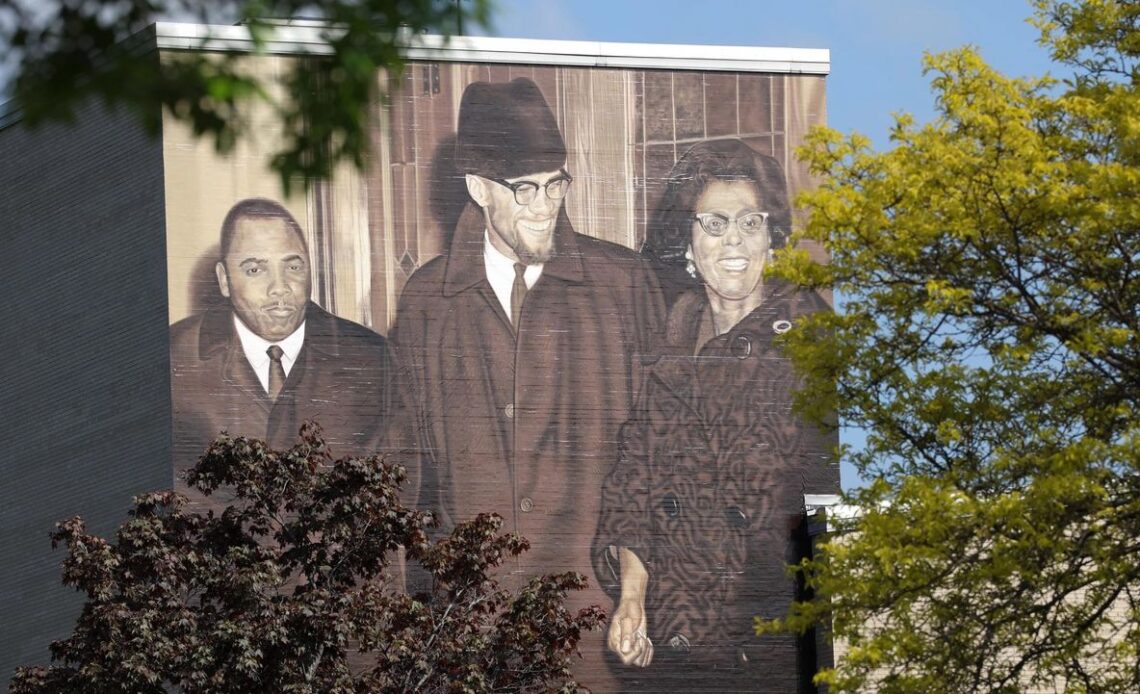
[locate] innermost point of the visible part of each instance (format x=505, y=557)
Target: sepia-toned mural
x=546, y=297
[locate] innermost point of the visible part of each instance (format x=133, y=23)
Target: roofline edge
x=309, y=39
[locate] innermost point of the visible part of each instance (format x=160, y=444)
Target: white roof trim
x=301, y=37
x=306, y=38
x=814, y=502
x=824, y=512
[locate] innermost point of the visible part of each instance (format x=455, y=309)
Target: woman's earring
x=689, y=266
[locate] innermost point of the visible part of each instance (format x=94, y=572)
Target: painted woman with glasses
x=698, y=513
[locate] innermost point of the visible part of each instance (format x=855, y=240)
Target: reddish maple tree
x=290, y=589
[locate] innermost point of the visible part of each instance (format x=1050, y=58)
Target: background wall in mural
x=546, y=296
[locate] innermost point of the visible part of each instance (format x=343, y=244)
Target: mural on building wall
x=566, y=265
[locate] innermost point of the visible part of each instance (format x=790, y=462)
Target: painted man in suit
x=523, y=345
x=273, y=359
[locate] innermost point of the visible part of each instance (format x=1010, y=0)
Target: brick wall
x=84, y=364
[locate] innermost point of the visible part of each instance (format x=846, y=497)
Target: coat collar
x=692, y=307
x=465, y=267
x=679, y=369
x=218, y=339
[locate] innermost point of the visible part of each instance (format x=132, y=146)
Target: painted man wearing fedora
x=523, y=345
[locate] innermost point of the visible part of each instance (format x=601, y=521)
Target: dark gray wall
x=84, y=375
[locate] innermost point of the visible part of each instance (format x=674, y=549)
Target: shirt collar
x=499, y=265
x=501, y=272
x=255, y=346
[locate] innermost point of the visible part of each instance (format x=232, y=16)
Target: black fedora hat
x=507, y=130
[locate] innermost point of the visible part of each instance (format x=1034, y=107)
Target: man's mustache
x=278, y=305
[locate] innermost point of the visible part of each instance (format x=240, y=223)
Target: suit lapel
x=236, y=372
x=323, y=344
x=466, y=269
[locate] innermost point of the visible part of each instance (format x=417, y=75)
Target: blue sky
x=876, y=47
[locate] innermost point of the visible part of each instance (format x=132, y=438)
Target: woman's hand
x=628, y=635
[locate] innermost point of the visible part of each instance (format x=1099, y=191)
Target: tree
x=67, y=52
x=989, y=344
x=289, y=590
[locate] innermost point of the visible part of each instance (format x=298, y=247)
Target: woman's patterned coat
x=708, y=492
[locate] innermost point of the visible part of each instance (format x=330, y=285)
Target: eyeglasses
x=525, y=191
x=717, y=225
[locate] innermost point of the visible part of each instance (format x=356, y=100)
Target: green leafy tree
x=67, y=52
x=287, y=590
x=989, y=344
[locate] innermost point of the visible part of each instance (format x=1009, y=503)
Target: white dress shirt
x=501, y=273
x=255, y=348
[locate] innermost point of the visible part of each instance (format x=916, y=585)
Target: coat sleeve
x=408, y=338
x=396, y=442
x=624, y=519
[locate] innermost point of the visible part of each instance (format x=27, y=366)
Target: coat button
x=527, y=505
x=741, y=347
x=736, y=517
x=679, y=643
x=509, y=410
x=671, y=505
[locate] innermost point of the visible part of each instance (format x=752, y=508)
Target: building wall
x=85, y=373
x=626, y=135
x=109, y=237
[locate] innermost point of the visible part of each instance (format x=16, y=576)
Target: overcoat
x=524, y=423
x=343, y=378
x=708, y=491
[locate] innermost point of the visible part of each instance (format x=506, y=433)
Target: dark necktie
x=518, y=293
x=276, y=371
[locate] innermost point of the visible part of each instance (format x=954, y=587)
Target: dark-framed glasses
x=526, y=191
x=717, y=224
